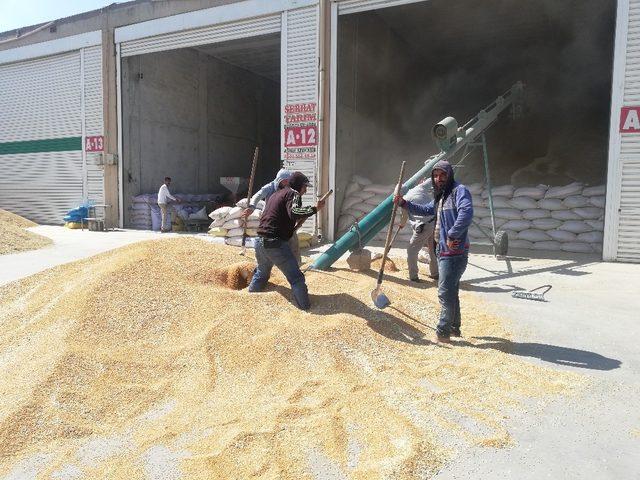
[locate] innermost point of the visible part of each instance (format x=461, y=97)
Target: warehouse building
x=101, y=106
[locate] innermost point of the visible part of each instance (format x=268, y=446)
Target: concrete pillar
x=109, y=98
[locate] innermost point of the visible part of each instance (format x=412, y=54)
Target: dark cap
x=298, y=180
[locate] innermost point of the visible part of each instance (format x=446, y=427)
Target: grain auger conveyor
x=456, y=144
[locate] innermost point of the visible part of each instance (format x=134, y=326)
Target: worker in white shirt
x=164, y=195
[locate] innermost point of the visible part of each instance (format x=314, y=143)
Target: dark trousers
x=451, y=270
x=279, y=253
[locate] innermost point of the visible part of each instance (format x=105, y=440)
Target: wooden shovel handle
x=387, y=243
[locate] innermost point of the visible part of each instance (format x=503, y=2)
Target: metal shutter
x=202, y=36
x=629, y=222
x=300, y=84
x=41, y=137
x=627, y=191
x=353, y=6
x=92, y=63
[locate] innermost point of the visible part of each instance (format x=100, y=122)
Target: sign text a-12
x=301, y=136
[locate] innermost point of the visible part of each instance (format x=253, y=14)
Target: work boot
x=455, y=332
x=439, y=339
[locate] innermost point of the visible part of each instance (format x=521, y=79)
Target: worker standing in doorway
x=281, y=213
x=453, y=209
x=281, y=180
x=422, y=231
x=164, y=195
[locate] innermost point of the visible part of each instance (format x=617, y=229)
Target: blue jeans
x=280, y=255
x=451, y=269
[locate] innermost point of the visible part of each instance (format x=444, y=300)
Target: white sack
x=590, y=213
x=237, y=241
x=546, y=223
x=597, y=201
x=475, y=188
x=481, y=212
x=523, y=203
x=551, y=204
x=498, y=202
x=550, y=246
x=565, y=191
x=239, y=223
x=379, y=189
x=237, y=232
x=562, y=235
x=597, y=225
x=565, y=215
x=508, y=213
x=533, y=235
x=576, y=201
x=520, y=244
x=353, y=187
x=362, y=194
x=235, y=212
x=361, y=180
x=517, y=225
x=535, y=193
x=591, y=237
x=594, y=191
x=350, y=202
x=575, y=226
x=536, y=213
x=486, y=222
x=577, y=247
x=501, y=191
x=221, y=212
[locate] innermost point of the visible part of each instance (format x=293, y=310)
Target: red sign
x=94, y=144
x=630, y=119
x=300, y=131
x=300, y=136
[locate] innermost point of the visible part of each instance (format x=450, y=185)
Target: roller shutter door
x=300, y=87
x=41, y=163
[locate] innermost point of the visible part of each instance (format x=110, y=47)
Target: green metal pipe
x=373, y=222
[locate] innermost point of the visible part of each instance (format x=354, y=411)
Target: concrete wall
x=195, y=118
x=373, y=69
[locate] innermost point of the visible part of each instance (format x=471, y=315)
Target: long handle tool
x=379, y=299
x=243, y=250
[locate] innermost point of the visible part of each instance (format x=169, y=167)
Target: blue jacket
x=456, y=216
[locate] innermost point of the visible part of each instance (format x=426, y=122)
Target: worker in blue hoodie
x=453, y=209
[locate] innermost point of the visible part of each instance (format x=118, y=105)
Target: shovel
x=243, y=250
x=380, y=300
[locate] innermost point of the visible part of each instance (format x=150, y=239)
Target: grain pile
x=133, y=364
x=13, y=236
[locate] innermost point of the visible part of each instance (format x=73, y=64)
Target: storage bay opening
x=196, y=114
x=402, y=69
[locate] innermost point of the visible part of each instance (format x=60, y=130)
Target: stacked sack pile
x=144, y=212
x=360, y=198
x=229, y=225
x=568, y=218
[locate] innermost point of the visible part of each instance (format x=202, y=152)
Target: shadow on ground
x=570, y=357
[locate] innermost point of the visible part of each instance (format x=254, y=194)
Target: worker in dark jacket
x=453, y=209
x=279, y=217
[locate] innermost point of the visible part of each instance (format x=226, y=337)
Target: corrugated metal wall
x=41, y=137
x=300, y=84
x=627, y=193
